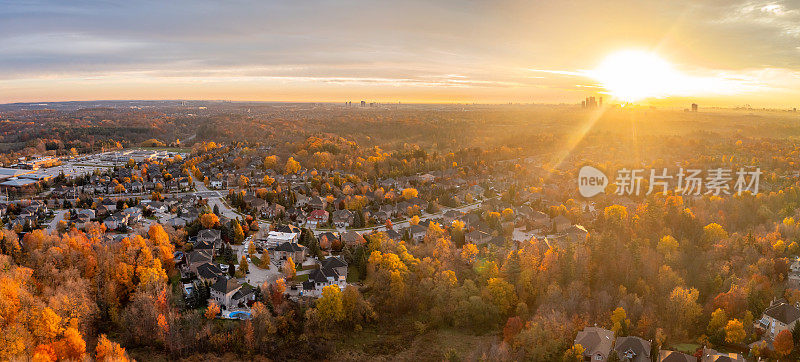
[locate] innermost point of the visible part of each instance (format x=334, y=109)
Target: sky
x=718, y=52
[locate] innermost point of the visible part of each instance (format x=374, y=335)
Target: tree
x=683, y=307
x=238, y=233
x=718, y=320
x=734, y=332
x=270, y=162
x=469, y=252
x=209, y=220
x=620, y=322
x=212, y=310
x=783, y=343
x=329, y=305
x=243, y=266
x=513, y=326
x=292, y=166
x=288, y=268
x=276, y=291
x=502, y=295
x=574, y=353
x=409, y=193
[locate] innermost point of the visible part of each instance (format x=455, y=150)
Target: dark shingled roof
x=783, y=312
x=595, y=341
x=225, y=286
x=289, y=247
x=674, y=356
x=333, y=262
x=209, y=271
x=639, y=347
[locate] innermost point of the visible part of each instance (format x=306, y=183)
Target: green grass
x=301, y=278
x=353, y=274
x=688, y=348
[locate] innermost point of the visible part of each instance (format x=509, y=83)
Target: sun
x=633, y=75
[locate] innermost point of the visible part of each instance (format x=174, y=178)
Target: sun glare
x=634, y=75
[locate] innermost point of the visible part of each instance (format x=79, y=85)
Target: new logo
x=591, y=181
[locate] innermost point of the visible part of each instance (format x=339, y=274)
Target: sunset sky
x=714, y=52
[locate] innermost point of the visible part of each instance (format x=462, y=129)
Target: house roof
x=333, y=262
x=639, y=347
x=244, y=291
x=714, y=356
x=414, y=229
x=351, y=237
x=209, y=234
x=209, y=271
x=675, y=356
x=289, y=247
x=595, y=340
x=783, y=312
x=226, y=285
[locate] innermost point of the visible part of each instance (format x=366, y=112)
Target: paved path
x=58, y=216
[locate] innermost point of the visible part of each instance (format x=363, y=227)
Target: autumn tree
x=469, y=252
x=329, y=305
x=620, y=322
x=270, y=162
x=209, y=220
x=409, y=193
x=238, y=232
x=574, y=354
x=783, y=343
x=212, y=310
x=734, y=332
x=243, y=267
x=288, y=268
x=292, y=166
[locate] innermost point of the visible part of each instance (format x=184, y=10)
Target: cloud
x=382, y=43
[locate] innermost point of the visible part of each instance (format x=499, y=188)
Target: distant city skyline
x=713, y=52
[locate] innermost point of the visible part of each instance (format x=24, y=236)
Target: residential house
x=275, y=238
x=316, y=218
x=342, y=218
x=352, y=238
x=675, y=356
x=273, y=210
x=793, y=280
x=335, y=263
x=327, y=239
x=778, y=317
x=710, y=355
x=332, y=271
x=211, y=235
x=230, y=294
x=477, y=237
x=317, y=203
x=452, y=215
x=561, y=223
x=287, y=250
x=209, y=272
x=417, y=233
x=632, y=349
x=196, y=258
x=596, y=342
x=576, y=234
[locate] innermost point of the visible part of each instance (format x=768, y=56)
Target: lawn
x=688, y=348
x=352, y=274
x=301, y=278
x=398, y=339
